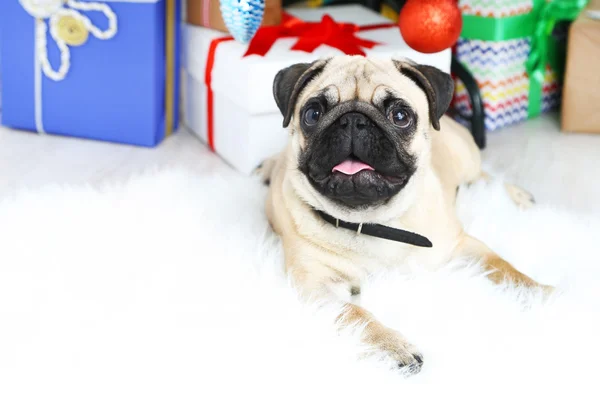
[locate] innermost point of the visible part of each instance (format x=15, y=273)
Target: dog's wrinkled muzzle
x=353, y=156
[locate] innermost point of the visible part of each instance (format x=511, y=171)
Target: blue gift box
x=121, y=84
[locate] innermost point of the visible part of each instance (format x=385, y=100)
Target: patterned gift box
x=508, y=47
x=96, y=69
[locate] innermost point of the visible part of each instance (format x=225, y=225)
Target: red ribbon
x=310, y=36
x=313, y=34
x=210, y=63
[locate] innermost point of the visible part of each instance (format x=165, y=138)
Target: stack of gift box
x=110, y=70
x=228, y=91
x=118, y=70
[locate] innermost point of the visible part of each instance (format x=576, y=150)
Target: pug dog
x=368, y=180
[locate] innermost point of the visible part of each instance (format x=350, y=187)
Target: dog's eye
x=312, y=114
x=400, y=117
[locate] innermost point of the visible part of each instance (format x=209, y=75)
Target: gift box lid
x=247, y=81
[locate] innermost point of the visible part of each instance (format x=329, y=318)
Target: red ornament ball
x=430, y=26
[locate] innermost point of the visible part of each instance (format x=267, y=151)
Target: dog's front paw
x=521, y=197
x=406, y=356
x=265, y=170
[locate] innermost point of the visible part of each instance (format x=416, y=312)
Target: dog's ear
x=437, y=85
x=290, y=81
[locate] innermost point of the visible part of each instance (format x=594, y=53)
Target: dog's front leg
x=521, y=197
x=380, y=338
x=499, y=270
x=325, y=285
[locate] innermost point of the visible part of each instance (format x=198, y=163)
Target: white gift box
x=247, y=125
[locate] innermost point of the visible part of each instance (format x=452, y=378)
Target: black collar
x=380, y=231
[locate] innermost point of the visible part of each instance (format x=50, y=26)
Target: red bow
x=313, y=34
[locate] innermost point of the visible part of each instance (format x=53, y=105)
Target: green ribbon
x=536, y=25
x=497, y=29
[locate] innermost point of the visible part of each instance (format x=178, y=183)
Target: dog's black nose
x=354, y=120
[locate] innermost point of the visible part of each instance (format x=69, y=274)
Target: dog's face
x=360, y=126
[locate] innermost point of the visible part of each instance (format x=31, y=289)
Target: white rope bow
x=55, y=10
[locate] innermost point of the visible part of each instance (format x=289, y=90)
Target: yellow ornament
x=72, y=31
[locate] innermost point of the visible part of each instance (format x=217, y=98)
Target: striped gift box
x=499, y=66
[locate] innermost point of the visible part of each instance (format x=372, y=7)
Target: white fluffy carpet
x=170, y=287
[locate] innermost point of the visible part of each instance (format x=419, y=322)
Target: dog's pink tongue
x=351, y=167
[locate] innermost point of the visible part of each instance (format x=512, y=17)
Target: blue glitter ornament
x=242, y=17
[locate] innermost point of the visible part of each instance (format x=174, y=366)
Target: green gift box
x=509, y=47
